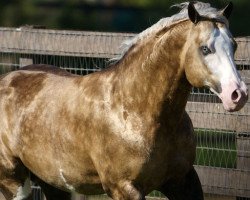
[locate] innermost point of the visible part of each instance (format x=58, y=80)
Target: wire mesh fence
x=223, y=139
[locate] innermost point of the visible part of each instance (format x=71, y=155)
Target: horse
x=122, y=131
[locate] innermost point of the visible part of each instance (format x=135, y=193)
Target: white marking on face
x=221, y=61
x=68, y=186
x=23, y=191
x=229, y=86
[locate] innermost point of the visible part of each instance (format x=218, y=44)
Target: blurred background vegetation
x=106, y=15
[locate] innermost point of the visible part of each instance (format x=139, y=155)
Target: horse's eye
x=205, y=50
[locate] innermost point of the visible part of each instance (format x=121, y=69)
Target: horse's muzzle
x=234, y=96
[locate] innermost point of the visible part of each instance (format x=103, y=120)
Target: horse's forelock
x=204, y=9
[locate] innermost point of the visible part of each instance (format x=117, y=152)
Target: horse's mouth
x=234, y=96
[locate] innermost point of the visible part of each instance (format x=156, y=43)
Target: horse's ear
x=193, y=15
x=227, y=10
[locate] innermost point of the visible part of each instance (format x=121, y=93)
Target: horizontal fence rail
x=227, y=135
x=81, y=43
x=230, y=182
x=217, y=118
x=66, y=43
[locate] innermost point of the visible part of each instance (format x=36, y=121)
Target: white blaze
x=221, y=61
x=230, y=88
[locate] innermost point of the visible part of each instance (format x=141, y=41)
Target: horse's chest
x=169, y=158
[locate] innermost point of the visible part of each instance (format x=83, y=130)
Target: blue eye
x=205, y=50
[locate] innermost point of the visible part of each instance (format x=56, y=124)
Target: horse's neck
x=152, y=78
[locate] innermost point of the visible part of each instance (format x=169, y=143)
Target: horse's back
x=32, y=74
x=48, y=69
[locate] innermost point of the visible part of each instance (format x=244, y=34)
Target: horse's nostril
x=236, y=96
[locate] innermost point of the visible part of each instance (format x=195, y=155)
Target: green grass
x=216, y=148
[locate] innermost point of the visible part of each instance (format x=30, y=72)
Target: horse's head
x=209, y=58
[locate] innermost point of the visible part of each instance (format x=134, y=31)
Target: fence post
x=25, y=61
x=37, y=193
x=243, y=156
x=78, y=197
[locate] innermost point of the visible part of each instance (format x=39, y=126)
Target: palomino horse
x=124, y=130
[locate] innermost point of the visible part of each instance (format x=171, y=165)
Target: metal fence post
x=243, y=156
x=25, y=61
x=37, y=193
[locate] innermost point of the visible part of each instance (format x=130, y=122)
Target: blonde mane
x=204, y=9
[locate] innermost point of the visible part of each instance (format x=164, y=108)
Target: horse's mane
x=204, y=9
